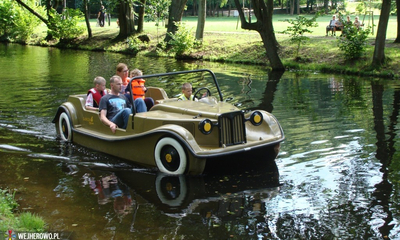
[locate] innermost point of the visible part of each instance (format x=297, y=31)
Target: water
x=337, y=176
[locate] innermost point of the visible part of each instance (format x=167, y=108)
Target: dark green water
x=337, y=176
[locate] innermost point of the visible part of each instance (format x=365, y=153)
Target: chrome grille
x=231, y=128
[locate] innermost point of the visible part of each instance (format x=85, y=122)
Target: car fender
x=70, y=110
x=182, y=135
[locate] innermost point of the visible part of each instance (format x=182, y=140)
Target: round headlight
x=256, y=118
x=206, y=126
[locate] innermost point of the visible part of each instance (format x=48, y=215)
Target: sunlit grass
x=9, y=220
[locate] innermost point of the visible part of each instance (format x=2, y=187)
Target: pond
x=337, y=175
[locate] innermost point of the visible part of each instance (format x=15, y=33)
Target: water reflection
x=218, y=200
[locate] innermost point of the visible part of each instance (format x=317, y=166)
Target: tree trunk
x=175, y=15
x=397, y=40
x=326, y=6
x=141, y=16
x=264, y=26
x=87, y=14
x=291, y=7
x=201, y=21
x=298, y=7
x=126, y=20
x=379, y=52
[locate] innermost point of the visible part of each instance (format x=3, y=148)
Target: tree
x=263, y=25
x=298, y=28
x=89, y=29
x=126, y=19
x=140, y=19
x=201, y=21
x=397, y=40
x=175, y=16
x=379, y=52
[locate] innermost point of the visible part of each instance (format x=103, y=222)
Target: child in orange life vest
x=138, y=88
x=94, y=94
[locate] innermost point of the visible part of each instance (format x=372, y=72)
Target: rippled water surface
x=336, y=177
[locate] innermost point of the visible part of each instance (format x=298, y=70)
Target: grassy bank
x=224, y=40
x=10, y=219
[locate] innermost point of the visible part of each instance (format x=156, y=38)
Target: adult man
x=115, y=108
x=101, y=16
x=332, y=25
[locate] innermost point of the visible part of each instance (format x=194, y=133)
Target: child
x=94, y=94
x=138, y=88
x=186, y=92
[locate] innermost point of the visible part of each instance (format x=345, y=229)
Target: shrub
x=16, y=23
x=134, y=44
x=353, y=41
x=183, y=41
x=65, y=25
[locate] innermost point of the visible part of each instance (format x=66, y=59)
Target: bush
x=65, y=25
x=16, y=23
x=353, y=41
x=182, y=41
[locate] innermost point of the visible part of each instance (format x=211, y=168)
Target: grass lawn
x=224, y=40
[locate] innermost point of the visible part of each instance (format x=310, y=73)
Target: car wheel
x=64, y=126
x=171, y=190
x=170, y=156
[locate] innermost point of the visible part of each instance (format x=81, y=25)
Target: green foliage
x=7, y=202
x=361, y=7
x=157, y=9
x=31, y=222
x=298, y=28
x=16, y=23
x=353, y=41
x=182, y=41
x=25, y=222
x=134, y=44
x=65, y=25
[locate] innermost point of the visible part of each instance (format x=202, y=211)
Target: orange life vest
x=138, y=88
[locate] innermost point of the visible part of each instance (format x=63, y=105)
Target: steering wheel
x=207, y=93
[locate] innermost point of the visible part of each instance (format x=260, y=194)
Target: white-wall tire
x=64, y=127
x=170, y=156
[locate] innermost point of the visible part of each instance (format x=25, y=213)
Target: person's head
x=348, y=18
x=115, y=84
x=356, y=19
x=102, y=7
x=99, y=83
x=187, y=90
x=136, y=72
x=122, y=70
x=334, y=17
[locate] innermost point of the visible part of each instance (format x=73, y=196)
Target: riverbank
x=11, y=221
x=224, y=41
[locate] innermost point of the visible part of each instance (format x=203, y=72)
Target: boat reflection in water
x=217, y=198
